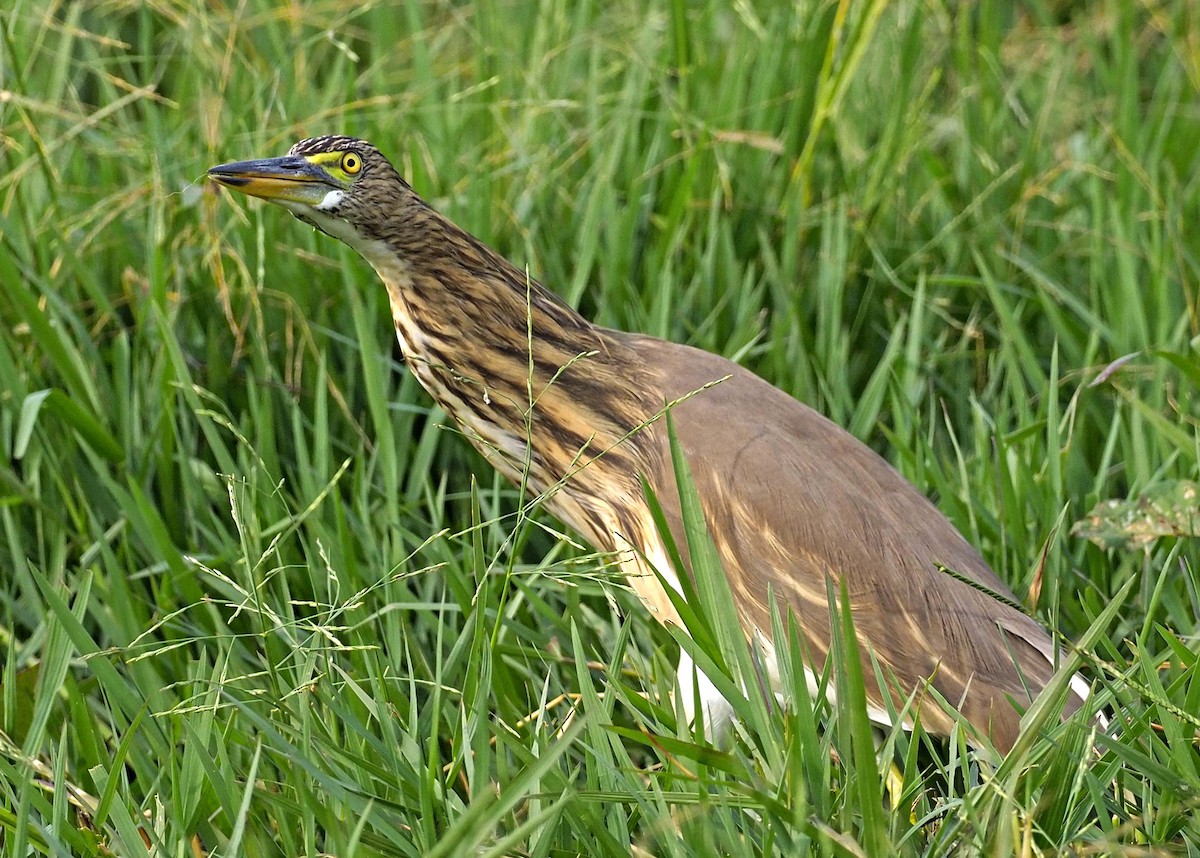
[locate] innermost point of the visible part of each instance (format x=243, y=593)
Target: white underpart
x=1084, y=690
x=718, y=714
x=1081, y=687
x=766, y=650
x=335, y=226
x=332, y=200
x=694, y=683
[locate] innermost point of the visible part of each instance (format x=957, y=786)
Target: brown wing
x=790, y=498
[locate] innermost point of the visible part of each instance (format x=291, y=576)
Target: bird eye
x=351, y=163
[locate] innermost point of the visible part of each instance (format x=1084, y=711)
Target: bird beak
x=290, y=179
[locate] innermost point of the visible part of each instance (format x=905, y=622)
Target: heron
x=573, y=410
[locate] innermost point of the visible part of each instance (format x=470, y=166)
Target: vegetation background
x=257, y=598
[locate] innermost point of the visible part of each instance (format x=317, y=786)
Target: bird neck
x=549, y=398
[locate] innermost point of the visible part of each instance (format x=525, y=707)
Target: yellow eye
x=351, y=163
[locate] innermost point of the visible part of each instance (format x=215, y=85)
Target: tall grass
x=257, y=597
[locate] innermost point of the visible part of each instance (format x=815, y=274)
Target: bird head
x=338, y=184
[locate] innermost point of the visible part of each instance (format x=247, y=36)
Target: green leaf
x=73, y=415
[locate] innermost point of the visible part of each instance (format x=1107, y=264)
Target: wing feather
x=791, y=498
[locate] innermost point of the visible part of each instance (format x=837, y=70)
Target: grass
x=258, y=598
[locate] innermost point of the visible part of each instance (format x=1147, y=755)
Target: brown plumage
x=573, y=408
